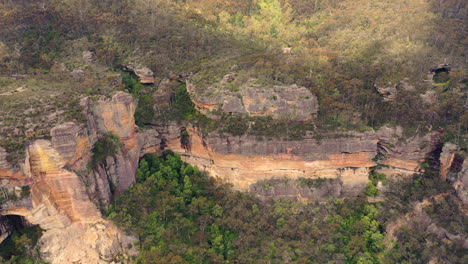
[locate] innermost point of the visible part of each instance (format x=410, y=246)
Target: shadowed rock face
x=292, y=102
x=318, y=190
x=404, y=156
x=10, y=223
x=454, y=169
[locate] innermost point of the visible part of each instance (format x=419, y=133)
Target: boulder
x=146, y=75
x=288, y=102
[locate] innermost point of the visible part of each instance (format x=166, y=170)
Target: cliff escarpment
x=55, y=171
x=68, y=182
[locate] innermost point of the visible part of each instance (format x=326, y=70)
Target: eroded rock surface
x=61, y=195
x=294, y=103
x=7, y=172
x=454, y=169
x=404, y=155
x=64, y=193
x=244, y=160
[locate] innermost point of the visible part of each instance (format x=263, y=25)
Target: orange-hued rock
x=59, y=190
x=60, y=202
x=402, y=164
x=75, y=230
x=115, y=115
x=64, y=203
x=291, y=160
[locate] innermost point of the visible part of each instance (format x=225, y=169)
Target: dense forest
x=180, y=215
x=342, y=51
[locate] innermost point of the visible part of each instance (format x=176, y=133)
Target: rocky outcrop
x=7, y=172
x=145, y=75
x=3, y=159
x=293, y=103
x=100, y=242
x=61, y=186
x=244, y=160
x=59, y=203
x=63, y=190
x=403, y=156
x=389, y=92
x=115, y=116
x=454, y=169
x=447, y=157
x=461, y=184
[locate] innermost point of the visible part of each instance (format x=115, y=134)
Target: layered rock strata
x=403, y=156
x=60, y=197
x=63, y=189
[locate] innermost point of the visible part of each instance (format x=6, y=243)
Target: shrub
x=103, y=148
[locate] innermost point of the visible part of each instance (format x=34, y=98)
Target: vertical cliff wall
x=60, y=185
x=65, y=191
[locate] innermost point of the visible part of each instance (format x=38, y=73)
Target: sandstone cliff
x=59, y=197
x=403, y=156
x=65, y=192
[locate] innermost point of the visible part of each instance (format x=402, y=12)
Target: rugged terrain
x=333, y=103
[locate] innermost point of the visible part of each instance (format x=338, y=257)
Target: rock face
x=145, y=75
x=244, y=160
x=404, y=156
x=293, y=103
x=61, y=206
x=101, y=242
x=454, y=169
x=64, y=193
x=59, y=198
x=115, y=116
x=7, y=172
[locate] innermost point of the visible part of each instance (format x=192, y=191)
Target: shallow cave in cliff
x=18, y=237
x=14, y=222
x=441, y=74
